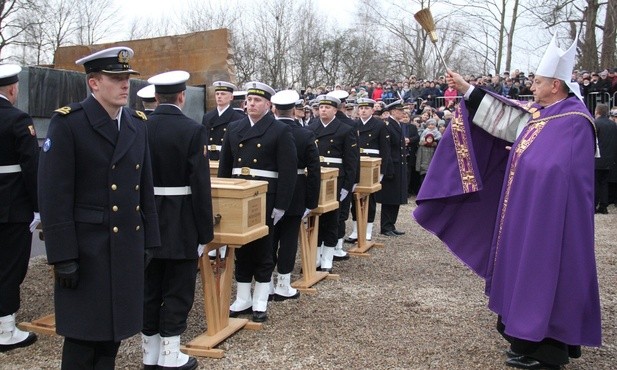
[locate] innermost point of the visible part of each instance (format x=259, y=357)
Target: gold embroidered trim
x=463, y=157
x=531, y=134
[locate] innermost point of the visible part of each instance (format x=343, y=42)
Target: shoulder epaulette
x=68, y=109
x=140, y=114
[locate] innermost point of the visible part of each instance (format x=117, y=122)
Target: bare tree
x=578, y=18
x=93, y=23
x=609, y=37
x=12, y=27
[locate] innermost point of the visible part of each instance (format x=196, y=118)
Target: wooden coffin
x=239, y=208
x=328, y=191
x=370, y=169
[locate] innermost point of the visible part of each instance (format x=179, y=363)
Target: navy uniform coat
x=339, y=140
x=306, y=193
x=18, y=145
x=217, y=126
x=268, y=145
x=394, y=184
x=97, y=207
x=374, y=135
x=179, y=158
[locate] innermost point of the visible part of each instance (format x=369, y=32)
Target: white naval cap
x=9, y=74
x=169, y=82
x=366, y=102
x=285, y=99
x=300, y=104
x=399, y=104
x=239, y=95
x=111, y=60
x=329, y=100
x=224, y=86
x=339, y=94
x=147, y=93
x=259, y=89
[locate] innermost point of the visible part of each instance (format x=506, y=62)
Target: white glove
x=353, y=188
x=277, y=214
x=35, y=221
x=306, y=213
x=380, y=177
x=344, y=194
x=200, y=249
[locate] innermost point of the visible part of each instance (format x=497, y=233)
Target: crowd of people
x=123, y=203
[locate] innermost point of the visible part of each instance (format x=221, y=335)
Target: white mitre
x=559, y=64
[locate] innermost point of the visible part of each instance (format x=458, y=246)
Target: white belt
x=246, y=171
x=14, y=168
x=330, y=159
x=168, y=191
x=215, y=148
x=302, y=171
x=369, y=151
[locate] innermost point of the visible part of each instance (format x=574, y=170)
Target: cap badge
x=123, y=56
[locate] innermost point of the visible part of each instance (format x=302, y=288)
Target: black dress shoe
x=280, y=298
x=246, y=311
x=324, y=269
x=150, y=367
x=525, y=362
x=398, y=232
x=350, y=240
x=602, y=210
x=338, y=258
x=511, y=354
x=190, y=365
x=389, y=233
x=30, y=339
x=260, y=316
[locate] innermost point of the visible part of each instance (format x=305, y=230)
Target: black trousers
x=254, y=260
x=601, y=197
x=168, y=297
x=328, y=229
x=389, y=214
x=15, y=245
x=343, y=214
x=87, y=355
x=548, y=350
x=372, y=208
x=285, y=243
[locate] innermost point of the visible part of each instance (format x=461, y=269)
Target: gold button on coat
x=137, y=228
x=136, y=187
x=114, y=187
x=137, y=208
x=137, y=166
x=115, y=229
x=115, y=208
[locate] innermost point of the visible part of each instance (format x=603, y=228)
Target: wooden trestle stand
x=310, y=231
x=369, y=183
x=240, y=205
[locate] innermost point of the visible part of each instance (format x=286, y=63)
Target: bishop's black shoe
x=398, y=232
x=511, y=354
x=526, y=362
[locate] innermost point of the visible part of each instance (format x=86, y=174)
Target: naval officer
x=99, y=217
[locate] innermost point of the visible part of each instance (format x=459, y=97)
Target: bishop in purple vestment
x=510, y=191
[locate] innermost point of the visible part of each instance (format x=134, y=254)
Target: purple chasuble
x=523, y=219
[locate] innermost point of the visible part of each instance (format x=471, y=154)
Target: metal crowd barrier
x=595, y=98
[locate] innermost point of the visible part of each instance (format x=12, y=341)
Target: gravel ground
x=411, y=305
